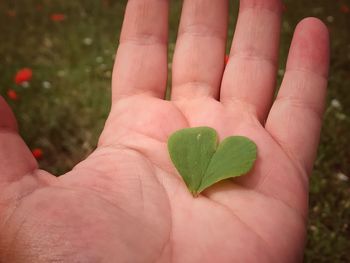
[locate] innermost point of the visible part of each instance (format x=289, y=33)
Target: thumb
x=16, y=160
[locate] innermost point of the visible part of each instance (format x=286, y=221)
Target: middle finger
x=200, y=49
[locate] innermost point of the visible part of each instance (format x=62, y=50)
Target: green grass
x=66, y=119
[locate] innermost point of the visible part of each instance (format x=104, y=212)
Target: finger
x=16, y=160
x=200, y=49
x=249, y=78
x=141, y=61
x=296, y=116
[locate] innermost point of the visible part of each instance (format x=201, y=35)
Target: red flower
x=58, y=17
x=12, y=94
x=226, y=59
x=284, y=8
x=344, y=9
x=11, y=13
x=23, y=75
x=105, y=3
x=37, y=153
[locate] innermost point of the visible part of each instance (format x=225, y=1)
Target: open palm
x=126, y=202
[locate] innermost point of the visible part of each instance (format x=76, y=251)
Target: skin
x=126, y=202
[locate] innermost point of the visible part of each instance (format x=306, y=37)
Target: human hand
x=126, y=202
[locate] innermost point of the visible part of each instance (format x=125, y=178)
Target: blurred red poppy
x=284, y=8
x=11, y=13
x=12, y=94
x=226, y=59
x=57, y=17
x=37, y=153
x=23, y=75
x=105, y=3
x=344, y=9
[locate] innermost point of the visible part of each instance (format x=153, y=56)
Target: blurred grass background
x=62, y=109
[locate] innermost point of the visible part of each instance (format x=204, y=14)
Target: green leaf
x=235, y=156
x=201, y=164
x=191, y=150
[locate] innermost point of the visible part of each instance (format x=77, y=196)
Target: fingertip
x=314, y=26
x=310, y=47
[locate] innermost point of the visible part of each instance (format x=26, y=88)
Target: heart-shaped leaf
x=235, y=156
x=201, y=163
x=191, y=150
